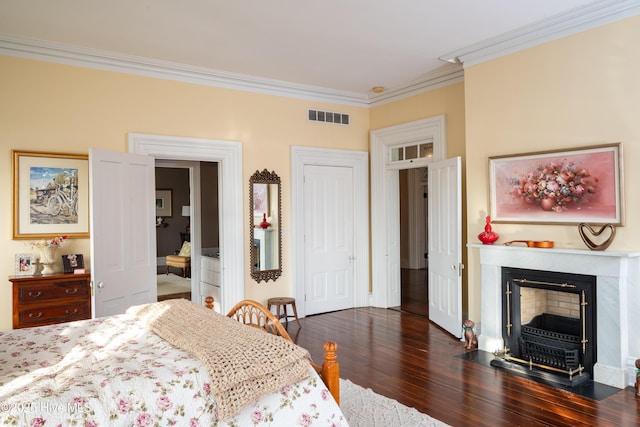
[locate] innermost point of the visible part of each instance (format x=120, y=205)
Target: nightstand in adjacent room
x=56, y=298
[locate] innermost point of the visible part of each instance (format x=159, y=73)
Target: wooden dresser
x=56, y=298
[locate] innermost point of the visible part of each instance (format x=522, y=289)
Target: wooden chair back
x=254, y=314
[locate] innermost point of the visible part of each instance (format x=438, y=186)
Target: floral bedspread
x=113, y=371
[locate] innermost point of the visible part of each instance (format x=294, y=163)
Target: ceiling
x=337, y=48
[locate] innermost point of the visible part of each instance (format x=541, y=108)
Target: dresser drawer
x=210, y=264
x=55, y=298
x=37, y=316
x=211, y=277
x=28, y=293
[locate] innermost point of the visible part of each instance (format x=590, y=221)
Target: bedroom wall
x=58, y=108
x=580, y=90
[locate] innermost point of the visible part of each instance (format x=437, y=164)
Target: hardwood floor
x=414, y=292
x=405, y=357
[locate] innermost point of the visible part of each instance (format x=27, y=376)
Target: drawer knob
x=35, y=316
x=71, y=312
x=35, y=294
x=71, y=291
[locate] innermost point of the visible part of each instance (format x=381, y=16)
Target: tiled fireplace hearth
x=617, y=296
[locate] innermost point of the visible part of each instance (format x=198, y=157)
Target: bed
x=150, y=366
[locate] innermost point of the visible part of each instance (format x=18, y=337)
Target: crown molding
x=446, y=75
x=42, y=50
x=576, y=20
x=590, y=16
x=102, y=60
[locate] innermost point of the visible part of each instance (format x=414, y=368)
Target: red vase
x=487, y=237
x=264, y=223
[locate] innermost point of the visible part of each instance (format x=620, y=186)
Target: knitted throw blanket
x=244, y=363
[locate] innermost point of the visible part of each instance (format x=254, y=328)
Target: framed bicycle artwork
x=50, y=195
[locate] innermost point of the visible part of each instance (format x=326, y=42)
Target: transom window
x=408, y=152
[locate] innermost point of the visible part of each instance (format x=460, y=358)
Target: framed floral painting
x=578, y=185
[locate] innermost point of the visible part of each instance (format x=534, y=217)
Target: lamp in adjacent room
x=186, y=211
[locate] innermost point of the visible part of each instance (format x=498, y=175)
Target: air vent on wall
x=328, y=117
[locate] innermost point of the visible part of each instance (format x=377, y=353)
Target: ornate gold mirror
x=265, y=241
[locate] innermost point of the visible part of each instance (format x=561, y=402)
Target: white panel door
x=445, y=245
x=329, y=234
x=123, y=238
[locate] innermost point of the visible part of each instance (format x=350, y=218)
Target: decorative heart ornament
x=590, y=244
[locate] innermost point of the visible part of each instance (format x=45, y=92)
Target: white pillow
x=185, y=250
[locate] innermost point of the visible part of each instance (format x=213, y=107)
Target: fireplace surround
x=617, y=293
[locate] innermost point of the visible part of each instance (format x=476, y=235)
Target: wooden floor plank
x=405, y=357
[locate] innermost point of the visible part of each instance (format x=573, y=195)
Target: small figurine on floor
x=637, y=377
x=470, y=341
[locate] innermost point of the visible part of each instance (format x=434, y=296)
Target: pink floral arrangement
x=564, y=183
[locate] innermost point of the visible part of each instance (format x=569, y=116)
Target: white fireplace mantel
x=617, y=296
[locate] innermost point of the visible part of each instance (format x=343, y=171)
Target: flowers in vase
x=555, y=183
x=56, y=242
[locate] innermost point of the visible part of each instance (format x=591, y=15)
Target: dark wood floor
x=414, y=292
x=405, y=357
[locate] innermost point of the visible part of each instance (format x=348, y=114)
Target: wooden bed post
x=331, y=370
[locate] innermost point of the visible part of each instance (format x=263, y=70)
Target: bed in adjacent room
x=168, y=363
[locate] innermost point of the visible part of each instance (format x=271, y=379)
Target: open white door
x=445, y=245
x=123, y=239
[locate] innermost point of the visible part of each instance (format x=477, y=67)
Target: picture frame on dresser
x=25, y=264
x=50, y=195
x=566, y=186
x=72, y=263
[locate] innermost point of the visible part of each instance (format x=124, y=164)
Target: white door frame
x=231, y=189
x=385, y=220
x=358, y=160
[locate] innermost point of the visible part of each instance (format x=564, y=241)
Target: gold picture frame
x=567, y=186
x=50, y=195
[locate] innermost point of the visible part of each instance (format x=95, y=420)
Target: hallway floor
x=414, y=291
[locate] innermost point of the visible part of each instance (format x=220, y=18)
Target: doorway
x=174, y=233
x=411, y=145
x=414, y=251
x=173, y=230
x=357, y=162
x=228, y=155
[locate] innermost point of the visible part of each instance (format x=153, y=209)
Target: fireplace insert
x=549, y=324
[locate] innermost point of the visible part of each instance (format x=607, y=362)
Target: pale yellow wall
x=576, y=91
x=57, y=108
x=448, y=100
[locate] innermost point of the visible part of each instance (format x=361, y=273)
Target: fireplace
x=615, y=312
x=549, y=323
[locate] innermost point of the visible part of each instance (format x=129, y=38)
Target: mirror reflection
x=265, y=226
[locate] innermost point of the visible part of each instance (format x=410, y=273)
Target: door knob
x=100, y=285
